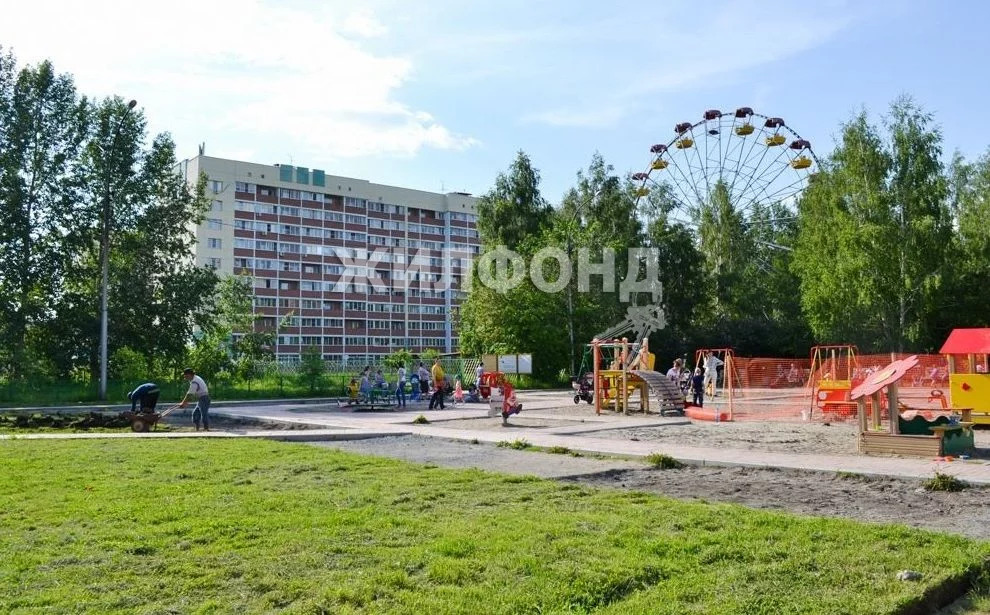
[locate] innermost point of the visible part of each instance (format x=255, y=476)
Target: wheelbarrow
x=145, y=419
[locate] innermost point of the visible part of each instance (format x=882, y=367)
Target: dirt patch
x=883, y=500
x=183, y=422
x=879, y=500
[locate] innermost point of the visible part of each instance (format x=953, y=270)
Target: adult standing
x=424, y=380
x=712, y=363
x=438, y=382
x=199, y=392
x=400, y=390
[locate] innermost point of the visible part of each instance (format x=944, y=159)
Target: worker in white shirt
x=712, y=363
x=199, y=392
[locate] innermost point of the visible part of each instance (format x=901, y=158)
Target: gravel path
x=865, y=499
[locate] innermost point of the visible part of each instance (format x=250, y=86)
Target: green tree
x=312, y=368
x=43, y=124
x=428, y=355
x=514, y=208
x=875, y=234
x=968, y=294
x=397, y=359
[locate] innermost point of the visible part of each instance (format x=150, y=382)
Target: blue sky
x=443, y=93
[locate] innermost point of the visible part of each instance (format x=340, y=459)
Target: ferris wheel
x=753, y=160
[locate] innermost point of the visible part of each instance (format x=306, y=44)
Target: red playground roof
x=967, y=341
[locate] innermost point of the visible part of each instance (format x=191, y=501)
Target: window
x=288, y=302
x=333, y=322
x=354, y=305
x=214, y=224
x=288, y=211
x=213, y=263
x=352, y=202
x=266, y=191
x=310, y=322
x=213, y=243
x=332, y=216
x=311, y=340
x=264, y=302
x=285, y=193
x=310, y=304
x=302, y=175
x=217, y=205
x=352, y=219
x=216, y=186
x=244, y=187
x=355, y=341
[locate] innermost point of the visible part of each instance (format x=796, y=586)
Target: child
x=458, y=392
x=698, y=387
x=352, y=391
x=509, y=404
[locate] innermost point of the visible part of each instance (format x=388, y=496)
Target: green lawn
x=252, y=526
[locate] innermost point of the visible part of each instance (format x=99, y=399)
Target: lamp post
x=105, y=252
x=576, y=218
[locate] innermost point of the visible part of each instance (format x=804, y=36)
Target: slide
x=668, y=394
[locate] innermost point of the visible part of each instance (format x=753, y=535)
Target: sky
x=441, y=94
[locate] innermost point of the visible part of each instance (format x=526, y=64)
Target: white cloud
x=363, y=23
x=239, y=73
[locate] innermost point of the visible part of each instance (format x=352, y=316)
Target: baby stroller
x=584, y=388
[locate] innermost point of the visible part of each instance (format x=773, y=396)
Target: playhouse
x=969, y=383
x=908, y=433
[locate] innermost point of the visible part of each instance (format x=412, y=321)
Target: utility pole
x=105, y=252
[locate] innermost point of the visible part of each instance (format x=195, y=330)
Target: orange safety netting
x=783, y=389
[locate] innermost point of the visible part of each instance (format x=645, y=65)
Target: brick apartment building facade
x=354, y=268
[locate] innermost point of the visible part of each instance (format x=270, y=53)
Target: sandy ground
x=772, y=437
x=876, y=500
x=837, y=438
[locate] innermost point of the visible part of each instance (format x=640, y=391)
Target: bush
x=311, y=369
x=421, y=420
x=518, y=444
x=128, y=365
x=559, y=450
x=664, y=462
x=944, y=482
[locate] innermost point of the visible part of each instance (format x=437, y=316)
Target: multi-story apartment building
x=354, y=268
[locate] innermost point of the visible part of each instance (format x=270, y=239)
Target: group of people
x=704, y=379
x=145, y=398
x=419, y=379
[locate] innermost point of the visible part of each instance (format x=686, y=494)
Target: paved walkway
x=333, y=422
x=974, y=471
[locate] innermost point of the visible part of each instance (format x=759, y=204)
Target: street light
x=105, y=253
